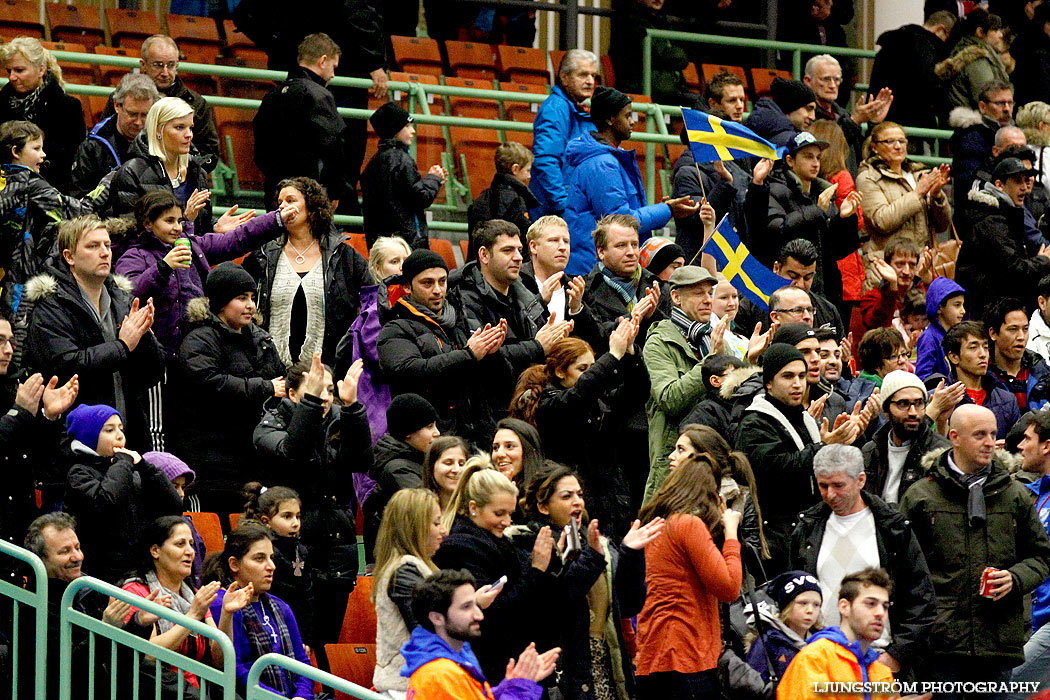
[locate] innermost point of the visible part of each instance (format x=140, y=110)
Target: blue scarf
x=627, y=289
x=697, y=334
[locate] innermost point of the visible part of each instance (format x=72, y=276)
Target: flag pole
x=700, y=177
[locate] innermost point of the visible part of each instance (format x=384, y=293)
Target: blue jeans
x=1036, y=666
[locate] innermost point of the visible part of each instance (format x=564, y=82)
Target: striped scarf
x=266, y=635
x=627, y=289
x=697, y=334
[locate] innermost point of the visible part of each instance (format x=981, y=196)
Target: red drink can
x=986, y=586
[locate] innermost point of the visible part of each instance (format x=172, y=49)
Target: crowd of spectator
x=587, y=465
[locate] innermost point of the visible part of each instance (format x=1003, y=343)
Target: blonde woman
x=1034, y=120
x=36, y=93
x=409, y=535
x=162, y=157
x=483, y=503
x=386, y=256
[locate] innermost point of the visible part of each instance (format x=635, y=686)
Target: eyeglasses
x=1002, y=103
x=893, y=142
x=161, y=65
x=905, y=404
x=796, y=310
x=830, y=79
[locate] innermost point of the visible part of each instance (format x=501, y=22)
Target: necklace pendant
x=300, y=259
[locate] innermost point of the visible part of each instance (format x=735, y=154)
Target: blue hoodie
x=605, y=180
x=930, y=356
x=558, y=121
x=1041, y=595
x=864, y=659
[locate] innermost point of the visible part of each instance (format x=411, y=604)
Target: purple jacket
x=173, y=290
x=363, y=337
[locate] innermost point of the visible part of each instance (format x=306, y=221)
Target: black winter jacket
x=293, y=582
x=519, y=613
x=301, y=105
x=394, y=196
x=103, y=151
x=726, y=198
x=345, y=271
x=419, y=356
x=506, y=198
x=65, y=339
x=993, y=262
x=113, y=499
x=582, y=428
x=912, y=614
x=623, y=568
x=768, y=120
x=877, y=464
x=789, y=214
x=905, y=64
x=317, y=455
x=60, y=117
x=397, y=466
x=143, y=172
x=225, y=380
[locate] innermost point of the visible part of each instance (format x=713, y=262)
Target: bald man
x=969, y=515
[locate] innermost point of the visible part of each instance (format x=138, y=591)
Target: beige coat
x=892, y=206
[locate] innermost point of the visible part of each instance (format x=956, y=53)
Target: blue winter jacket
x=930, y=356
x=1041, y=595
x=558, y=121
x=605, y=180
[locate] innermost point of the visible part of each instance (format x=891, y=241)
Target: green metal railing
x=457, y=190
x=70, y=618
x=257, y=692
x=36, y=601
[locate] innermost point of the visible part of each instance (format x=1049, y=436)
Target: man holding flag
x=606, y=180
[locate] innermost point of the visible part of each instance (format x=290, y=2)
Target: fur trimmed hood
x=735, y=378
x=199, y=310
x=951, y=67
x=45, y=285
x=964, y=118
x=988, y=195
x=1002, y=459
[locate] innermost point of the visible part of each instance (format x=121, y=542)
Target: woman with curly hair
x=309, y=278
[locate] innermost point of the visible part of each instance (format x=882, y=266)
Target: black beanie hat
x=793, y=333
x=776, y=357
x=790, y=584
x=417, y=261
x=664, y=256
x=389, y=119
x=791, y=94
x=606, y=104
x=226, y=281
x=408, y=413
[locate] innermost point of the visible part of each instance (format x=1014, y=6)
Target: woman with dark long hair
x=443, y=462
x=517, y=450
x=679, y=628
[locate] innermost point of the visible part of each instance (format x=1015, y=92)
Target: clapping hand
x=850, y=205
x=236, y=597
x=577, y=285
x=30, y=392
x=487, y=340
x=542, y=549
x=640, y=535
x=58, y=399
x=621, y=340
x=718, y=336
x=195, y=203
x=532, y=666
x=824, y=198
x=347, y=386
x=314, y=382
x=549, y=286
x=551, y=332
x=231, y=220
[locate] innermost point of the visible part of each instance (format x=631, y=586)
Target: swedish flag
x=711, y=138
x=734, y=260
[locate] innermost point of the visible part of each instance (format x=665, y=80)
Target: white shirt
x=896, y=457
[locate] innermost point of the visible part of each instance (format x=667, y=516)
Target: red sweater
x=686, y=576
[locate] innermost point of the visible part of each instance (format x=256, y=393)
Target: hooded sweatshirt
x=605, y=180
x=829, y=656
x=930, y=356
x=437, y=672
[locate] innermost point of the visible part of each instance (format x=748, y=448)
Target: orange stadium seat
x=129, y=28
x=359, y=621
x=608, y=76
x=20, y=18
x=237, y=87
x=478, y=147
x=521, y=111
x=237, y=124
x=111, y=75
x=210, y=530
x=443, y=247
x=435, y=103
x=75, y=24
x=235, y=518
x=77, y=73
x=417, y=55
x=474, y=107
x=467, y=59
x=710, y=70
x=762, y=78
x=353, y=662
x=197, y=37
x=556, y=56
x=240, y=46
x=360, y=244
x=692, y=77
x=519, y=64
x=97, y=105
x=639, y=146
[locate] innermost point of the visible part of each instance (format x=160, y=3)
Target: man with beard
x=438, y=658
x=852, y=530
x=892, y=458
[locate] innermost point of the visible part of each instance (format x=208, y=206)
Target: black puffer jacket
x=506, y=198
x=225, y=378
x=65, y=339
x=143, y=172
x=912, y=614
x=622, y=571
x=113, y=499
x=60, y=117
x=317, y=455
x=419, y=356
x=877, y=464
x=301, y=105
x=397, y=466
x=520, y=612
x=103, y=151
x=582, y=427
x=790, y=213
x=993, y=262
x=394, y=196
x=345, y=271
